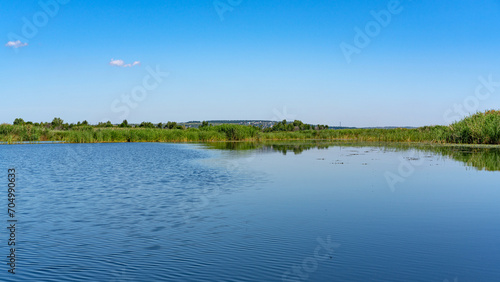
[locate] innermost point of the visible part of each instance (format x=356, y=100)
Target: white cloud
x=16, y=44
x=118, y=63
x=121, y=63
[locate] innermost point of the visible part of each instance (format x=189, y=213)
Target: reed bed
x=480, y=128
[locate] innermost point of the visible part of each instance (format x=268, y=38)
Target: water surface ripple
x=185, y=212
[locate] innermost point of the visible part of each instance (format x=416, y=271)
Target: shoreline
x=272, y=141
x=480, y=128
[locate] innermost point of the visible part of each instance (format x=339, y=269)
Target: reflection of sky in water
x=178, y=212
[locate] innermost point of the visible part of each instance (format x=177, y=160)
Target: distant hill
x=341, y=127
x=262, y=123
x=388, y=127
x=269, y=123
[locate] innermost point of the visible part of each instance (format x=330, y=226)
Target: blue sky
x=248, y=60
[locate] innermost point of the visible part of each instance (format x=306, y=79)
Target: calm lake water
x=248, y=212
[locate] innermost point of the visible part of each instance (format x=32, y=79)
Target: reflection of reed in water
x=479, y=157
x=482, y=159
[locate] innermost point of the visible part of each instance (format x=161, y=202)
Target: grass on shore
x=480, y=128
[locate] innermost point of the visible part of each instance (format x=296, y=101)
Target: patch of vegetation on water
x=481, y=157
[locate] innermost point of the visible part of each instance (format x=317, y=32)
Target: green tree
x=124, y=123
x=147, y=124
x=205, y=124
x=171, y=125
x=18, y=121
x=56, y=122
x=278, y=126
x=297, y=123
x=160, y=125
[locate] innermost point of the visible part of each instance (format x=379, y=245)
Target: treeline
x=480, y=128
x=296, y=125
x=58, y=124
